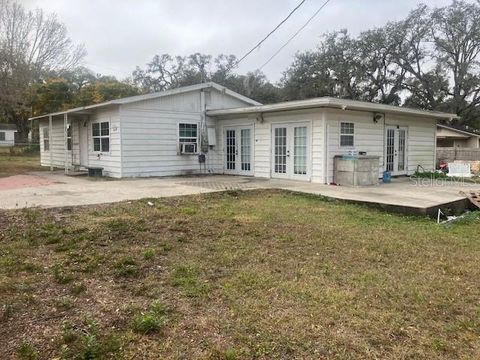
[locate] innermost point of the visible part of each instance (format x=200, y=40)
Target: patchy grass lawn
x=18, y=163
x=236, y=275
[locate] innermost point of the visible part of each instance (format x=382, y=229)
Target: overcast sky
x=121, y=34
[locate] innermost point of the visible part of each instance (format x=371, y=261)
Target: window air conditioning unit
x=188, y=148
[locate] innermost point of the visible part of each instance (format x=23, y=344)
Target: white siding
x=370, y=137
x=263, y=139
x=421, y=141
x=9, y=138
x=56, y=155
x=150, y=134
x=111, y=162
x=219, y=100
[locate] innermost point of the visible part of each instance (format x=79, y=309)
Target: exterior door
x=396, y=150
x=83, y=143
x=290, y=151
x=239, y=150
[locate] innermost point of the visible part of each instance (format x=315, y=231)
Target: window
x=188, y=134
x=69, y=137
x=347, y=131
x=46, y=139
x=101, y=136
x=2, y=135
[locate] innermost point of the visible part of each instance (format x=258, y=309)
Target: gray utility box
x=361, y=170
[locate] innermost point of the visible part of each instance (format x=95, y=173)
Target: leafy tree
x=52, y=95
x=429, y=60
x=167, y=72
x=101, y=91
x=32, y=44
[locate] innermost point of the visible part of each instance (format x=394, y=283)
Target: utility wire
x=295, y=35
x=268, y=35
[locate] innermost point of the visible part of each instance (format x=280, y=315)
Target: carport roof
x=330, y=102
x=132, y=99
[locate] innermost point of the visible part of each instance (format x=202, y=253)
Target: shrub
x=27, y=352
x=88, y=343
x=149, y=254
x=151, y=321
x=126, y=266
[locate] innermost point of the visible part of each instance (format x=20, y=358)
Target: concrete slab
x=57, y=190
x=402, y=195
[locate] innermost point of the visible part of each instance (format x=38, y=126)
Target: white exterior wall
x=110, y=162
x=55, y=156
x=150, y=134
x=421, y=149
x=370, y=137
x=9, y=138
x=262, y=160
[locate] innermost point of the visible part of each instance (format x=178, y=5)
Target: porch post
x=50, y=150
x=65, y=125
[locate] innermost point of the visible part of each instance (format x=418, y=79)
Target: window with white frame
x=347, y=133
x=69, y=137
x=46, y=139
x=2, y=136
x=188, y=134
x=101, y=136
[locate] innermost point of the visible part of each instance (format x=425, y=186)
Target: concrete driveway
x=54, y=189
x=45, y=189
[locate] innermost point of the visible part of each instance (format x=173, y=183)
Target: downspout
x=65, y=142
x=325, y=143
x=50, y=126
x=203, y=128
x=435, y=148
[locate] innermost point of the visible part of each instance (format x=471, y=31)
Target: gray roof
x=137, y=98
x=330, y=102
x=4, y=126
x=459, y=130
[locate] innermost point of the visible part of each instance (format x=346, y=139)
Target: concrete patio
x=45, y=189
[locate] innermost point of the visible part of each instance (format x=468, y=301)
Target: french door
x=239, y=150
x=396, y=149
x=290, y=151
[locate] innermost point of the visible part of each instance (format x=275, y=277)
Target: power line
x=269, y=34
x=295, y=35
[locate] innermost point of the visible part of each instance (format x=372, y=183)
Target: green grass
x=237, y=275
x=151, y=321
x=18, y=163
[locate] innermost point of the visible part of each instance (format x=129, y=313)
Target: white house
x=449, y=136
x=163, y=134
x=7, y=134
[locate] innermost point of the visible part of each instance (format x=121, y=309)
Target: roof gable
x=464, y=132
x=138, y=98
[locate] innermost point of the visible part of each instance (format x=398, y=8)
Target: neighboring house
x=7, y=134
x=162, y=134
x=449, y=136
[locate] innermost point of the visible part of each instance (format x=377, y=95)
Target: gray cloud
x=121, y=34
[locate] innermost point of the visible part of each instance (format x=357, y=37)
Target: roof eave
x=327, y=103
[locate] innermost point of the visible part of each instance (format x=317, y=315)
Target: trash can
x=387, y=177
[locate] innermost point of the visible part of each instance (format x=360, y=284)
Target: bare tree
x=32, y=45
